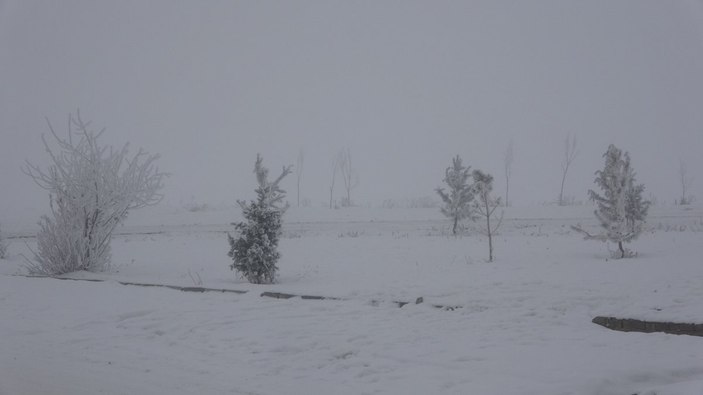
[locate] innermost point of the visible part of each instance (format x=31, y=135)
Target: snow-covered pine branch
x=621, y=210
x=255, y=251
x=91, y=189
x=457, y=200
x=268, y=193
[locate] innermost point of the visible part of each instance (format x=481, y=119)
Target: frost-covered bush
x=456, y=202
x=91, y=189
x=621, y=210
x=255, y=251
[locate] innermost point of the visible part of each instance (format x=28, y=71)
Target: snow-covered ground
x=524, y=326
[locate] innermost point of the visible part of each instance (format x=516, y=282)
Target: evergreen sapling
x=457, y=200
x=621, y=210
x=255, y=251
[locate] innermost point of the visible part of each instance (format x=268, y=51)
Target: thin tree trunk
x=684, y=200
x=622, y=250
x=456, y=220
x=488, y=228
x=561, y=192
x=507, y=189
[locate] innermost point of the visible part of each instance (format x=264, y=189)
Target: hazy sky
x=404, y=84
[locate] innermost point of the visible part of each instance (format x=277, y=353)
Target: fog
x=405, y=85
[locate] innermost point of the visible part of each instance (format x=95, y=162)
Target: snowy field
x=522, y=323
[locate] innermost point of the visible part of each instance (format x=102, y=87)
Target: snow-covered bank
x=525, y=326
x=87, y=338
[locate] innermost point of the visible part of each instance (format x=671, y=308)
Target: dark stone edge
x=632, y=325
x=274, y=295
x=147, y=285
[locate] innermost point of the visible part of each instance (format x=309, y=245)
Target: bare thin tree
x=349, y=176
x=485, y=205
x=508, y=162
x=686, y=182
x=299, y=171
x=92, y=189
x=570, y=153
x=335, y=168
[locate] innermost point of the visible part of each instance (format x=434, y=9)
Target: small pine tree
x=255, y=251
x=621, y=210
x=457, y=201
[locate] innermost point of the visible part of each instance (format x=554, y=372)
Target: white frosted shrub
x=92, y=189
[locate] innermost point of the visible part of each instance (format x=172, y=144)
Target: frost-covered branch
x=269, y=193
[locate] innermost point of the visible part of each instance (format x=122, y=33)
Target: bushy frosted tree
x=485, y=205
x=457, y=200
x=91, y=190
x=621, y=210
x=255, y=251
